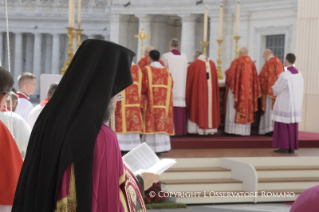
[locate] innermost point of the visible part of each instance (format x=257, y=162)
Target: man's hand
x=149, y=178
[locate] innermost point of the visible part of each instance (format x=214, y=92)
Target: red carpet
x=306, y=140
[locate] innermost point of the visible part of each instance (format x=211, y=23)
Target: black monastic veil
x=66, y=130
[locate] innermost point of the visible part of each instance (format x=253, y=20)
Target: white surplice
x=24, y=107
x=289, y=91
x=21, y=130
x=266, y=124
x=128, y=141
x=35, y=112
x=159, y=142
x=177, y=65
x=230, y=125
x=5, y=208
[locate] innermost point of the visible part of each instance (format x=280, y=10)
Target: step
x=196, y=173
x=196, y=162
x=285, y=168
x=287, y=171
x=287, y=183
x=201, y=185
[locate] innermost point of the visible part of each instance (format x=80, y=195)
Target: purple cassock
x=285, y=136
x=114, y=187
x=180, y=113
x=308, y=201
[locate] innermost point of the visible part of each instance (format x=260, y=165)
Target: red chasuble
x=157, y=85
x=242, y=79
x=268, y=77
x=128, y=111
x=202, y=94
x=10, y=166
x=144, y=62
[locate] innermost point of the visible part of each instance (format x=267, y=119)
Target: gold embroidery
x=68, y=203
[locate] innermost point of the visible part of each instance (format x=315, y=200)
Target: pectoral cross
x=142, y=36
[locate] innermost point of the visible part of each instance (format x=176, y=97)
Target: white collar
x=203, y=57
x=23, y=94
x=269, y=57
x=156, y=64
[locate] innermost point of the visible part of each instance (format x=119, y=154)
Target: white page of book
x=162, y=166
x=141, y=157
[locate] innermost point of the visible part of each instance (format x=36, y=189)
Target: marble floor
x=260, y=207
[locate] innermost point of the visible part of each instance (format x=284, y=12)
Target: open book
x=143, y=157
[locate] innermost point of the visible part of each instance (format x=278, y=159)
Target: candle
x=237, y=18
x=221, y=11
x=205, y=23
x=71, y=13
x=79, y=13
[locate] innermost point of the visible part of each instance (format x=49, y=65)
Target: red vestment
x=10, y=166
x=157, y=85
x=128, y=117
x=268, y=77
x=242, y=79
x=144, y=62
x=202, y=100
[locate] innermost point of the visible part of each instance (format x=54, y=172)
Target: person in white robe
x=176, y=63
x=35, y=112
x=18, y=127
x=287, y=111
x=27, y=85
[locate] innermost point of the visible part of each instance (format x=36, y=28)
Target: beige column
x=307, y=45
x=17, y=57
x=188, y=35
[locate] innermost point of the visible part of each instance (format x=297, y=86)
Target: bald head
x=148, y=49
x=267, y=53
x=243, y=51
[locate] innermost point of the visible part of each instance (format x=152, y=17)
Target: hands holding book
x=149, y=178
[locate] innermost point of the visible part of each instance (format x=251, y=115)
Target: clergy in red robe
x=145, y=60
x=202, y=97
x=268, y=77
x=157, y=85
x=128, y=116
x=243, y=91
x=10, y=157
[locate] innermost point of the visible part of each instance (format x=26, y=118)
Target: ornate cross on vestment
x=142, y=36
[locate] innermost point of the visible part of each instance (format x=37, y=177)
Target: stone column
x=188, y=35
x=307, y=45
x=55, y=54
x=37, y=59
x=1, y=49
x=29, y=53
x=144, y=21
x=17, y=67
x=123, y=30
x=159, y=33
x=91, y=36
x=213, y=36
x=114, y=28
x=48, y=54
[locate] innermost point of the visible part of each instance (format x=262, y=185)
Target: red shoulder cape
x=10, y=166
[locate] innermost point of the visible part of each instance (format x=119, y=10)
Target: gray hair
x=174, y=43
x=197, y=53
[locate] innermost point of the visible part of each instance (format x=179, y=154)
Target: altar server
x=176, y=63
x=288, y=107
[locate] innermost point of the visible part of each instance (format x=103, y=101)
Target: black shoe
x=291, y=151
x=282, y=151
